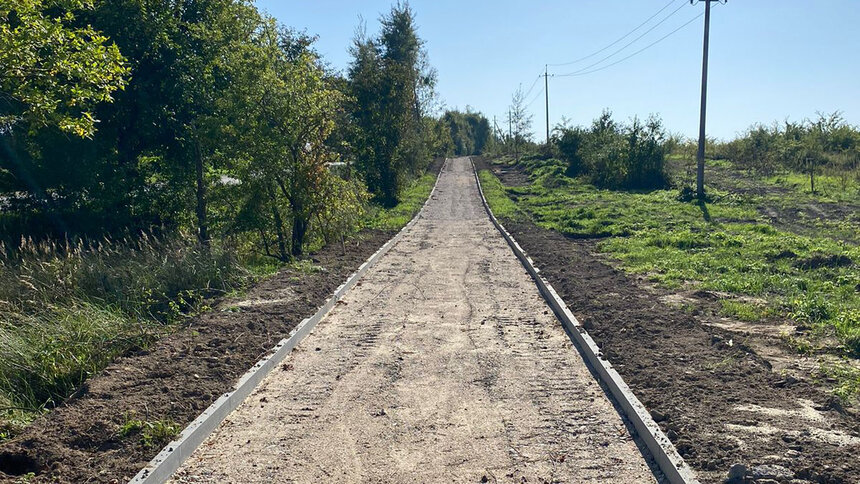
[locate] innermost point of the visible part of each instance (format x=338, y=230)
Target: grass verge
x=67, y=311
x=411, y=201
x=723, y=245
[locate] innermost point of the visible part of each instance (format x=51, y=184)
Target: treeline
x=137, y=116
x=155, y=153
x=827, y=143
x=467, y=133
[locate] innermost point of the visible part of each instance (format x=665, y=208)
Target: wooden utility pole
x=510, y=126
x=546, y=90
x=700, y=155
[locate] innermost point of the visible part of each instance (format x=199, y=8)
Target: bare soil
x=724, y=393
x=443, y=365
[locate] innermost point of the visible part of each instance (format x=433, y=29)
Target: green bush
x=612, y=155
x=827, y=143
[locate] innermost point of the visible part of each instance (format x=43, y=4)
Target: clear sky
x=769, y=60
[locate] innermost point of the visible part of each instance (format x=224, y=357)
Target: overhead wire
x=628, y=34
x=534, y=98
x=627, y=44
x=532, y=86
x=635, y=53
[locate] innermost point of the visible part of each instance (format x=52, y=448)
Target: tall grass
x=67, y=310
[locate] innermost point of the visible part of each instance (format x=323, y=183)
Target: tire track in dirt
x=443, y=364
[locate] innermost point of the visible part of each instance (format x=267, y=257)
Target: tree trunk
x=279, y=225
x=282, y=239
x=300, y=228
x=202, y=224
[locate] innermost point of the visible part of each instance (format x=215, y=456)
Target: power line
x=580, y=73
x=628, y=34
x=532, y=86
x=537, y=96
x=628, y=44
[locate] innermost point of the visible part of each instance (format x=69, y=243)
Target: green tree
x=391, y=83
x=295, y=105
x=521, y=122
x=53, y=71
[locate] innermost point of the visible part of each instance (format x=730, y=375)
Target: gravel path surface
x=444, y=364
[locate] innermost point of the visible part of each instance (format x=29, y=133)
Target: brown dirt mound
x=176, y=379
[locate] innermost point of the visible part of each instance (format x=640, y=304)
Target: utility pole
x=546, y=90
x=510, y=126
x=700, y=154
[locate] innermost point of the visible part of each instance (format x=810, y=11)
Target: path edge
x=664, y=452
x=171, y=457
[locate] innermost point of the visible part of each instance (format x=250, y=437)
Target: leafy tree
x=390, y=84
x=521, y=122
x=295, y=106
x=53, y=71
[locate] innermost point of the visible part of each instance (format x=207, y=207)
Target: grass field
x=726, y=245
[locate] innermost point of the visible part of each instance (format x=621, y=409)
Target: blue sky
x=768, y=60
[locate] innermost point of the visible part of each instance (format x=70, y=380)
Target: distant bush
x=827, y=142
x=614, y=155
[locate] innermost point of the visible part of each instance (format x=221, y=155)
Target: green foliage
x=827, y=145
x=494, y=192
x=343, y=210
x=291, y=102
x=47, y=354
x=469, y=132
x=616, y=156
x=391, y=86
x=52, y=71
x=67, y=311
x=847, y=379
x=213, y=120
x=153, y=434
x=411, y=201
x=745, y=311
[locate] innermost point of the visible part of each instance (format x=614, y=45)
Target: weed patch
x=152, y=434
x=68, y=311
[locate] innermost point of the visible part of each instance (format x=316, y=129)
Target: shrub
x=616, y=156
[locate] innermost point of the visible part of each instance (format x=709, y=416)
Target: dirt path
x=444, y=364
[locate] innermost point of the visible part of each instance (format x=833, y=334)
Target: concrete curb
x=163, y=465
x=665, y=455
